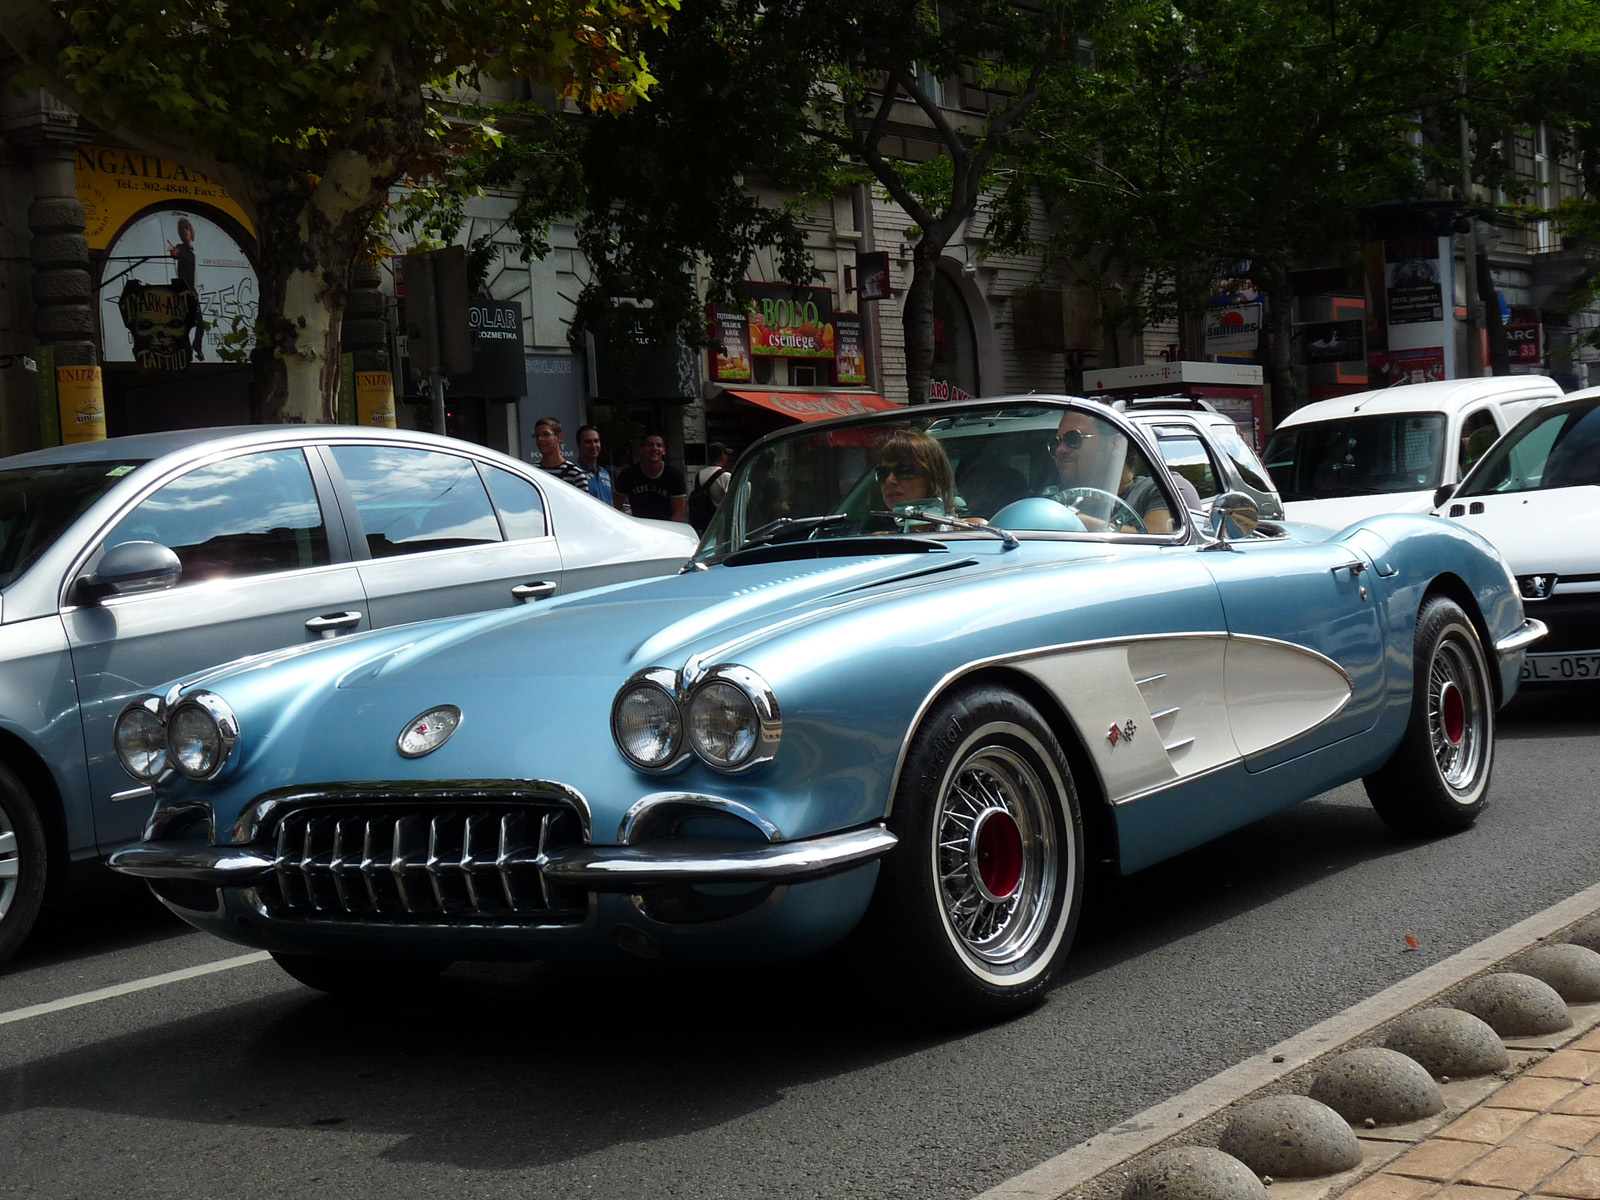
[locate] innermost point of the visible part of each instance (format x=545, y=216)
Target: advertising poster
x=730, y=328
x=1335, y=341
x=1412, y=283
x=1234, y=330
x=791, y=322
x=82, y=398
x=1423, y=365
x=375, y=399
x=850, y=361
x=872, y=275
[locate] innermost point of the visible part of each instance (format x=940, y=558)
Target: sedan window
x=411, y=500
x=1559, y=448
x=38, y=503
x=249, y=515
x=518, y=502
x=1185, y=455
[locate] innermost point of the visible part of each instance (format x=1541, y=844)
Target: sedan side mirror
x=129, y=568
x=1234, y=515
x=1441, y=494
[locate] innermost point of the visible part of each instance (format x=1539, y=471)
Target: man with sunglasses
x=1094, y=454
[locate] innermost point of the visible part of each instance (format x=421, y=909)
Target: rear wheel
x=23, y=863
x=977, y=904
x=1437, y=780
x=356, y=976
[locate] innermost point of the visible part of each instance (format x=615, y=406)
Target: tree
x=1246, y=137
x=309, y=113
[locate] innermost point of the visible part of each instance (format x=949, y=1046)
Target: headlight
x=201, y=733
x=646, y=724
x=141, y=740
x=733, y=719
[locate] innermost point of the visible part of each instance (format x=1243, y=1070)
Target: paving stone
x=1439, y=1160
x=1516, y=1005
x=1291, y=1137
x=1573, y=971
x=1384, y=1186
x=1448, y=1041
x=1374, y=1083
x=1578, y=1065
x=1556, y=1129
x=1488, y=1125
x=1194, y=1173
x=1467, y=1191
x=1579, y=1179
x=1521, y=1166
x=1532, y=1093
x=1583, y=1102
x=1590, y=1041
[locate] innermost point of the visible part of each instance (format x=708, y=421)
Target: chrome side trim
x=950, y=677
x=1526, y=635
x=133, y=793
x=226, y=866
x=638, y=820
x=681, y=860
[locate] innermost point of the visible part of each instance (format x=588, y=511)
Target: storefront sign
x=730, y=330
x=1334, y=341
x=169, y=247
x=1411, y=280
x=850, y=363
x=872, y=275
x=375, y=399
x=1422, y=365
x=1523, y=341
x=82, y=399
x=1234, y=329
x=790, y=322
x=160, y=320
x=942, y=389
x=114, y=183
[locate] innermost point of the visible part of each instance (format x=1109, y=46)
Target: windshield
x=38, y=503
x=1358, y=456
x=945, y=472
x=1555, y=448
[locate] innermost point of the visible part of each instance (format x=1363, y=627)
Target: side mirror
x=1234, y=515
x=130, y=568
x=1441, y=494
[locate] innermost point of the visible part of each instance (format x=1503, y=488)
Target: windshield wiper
x=787, y=529
x=923, y=514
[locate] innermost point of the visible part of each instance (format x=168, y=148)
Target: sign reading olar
x=114, y=183
x=791, y=322
x=82, y=400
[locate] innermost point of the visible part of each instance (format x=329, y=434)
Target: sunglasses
x=901, y=471
x=1072, y=439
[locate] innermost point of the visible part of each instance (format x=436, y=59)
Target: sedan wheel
x=1437, y=781
x=22, y=863
x=976, y=906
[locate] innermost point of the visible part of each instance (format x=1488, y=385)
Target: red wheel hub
x=997, y=853
x=1452, y=713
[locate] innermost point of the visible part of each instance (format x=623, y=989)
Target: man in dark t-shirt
x=651, y=488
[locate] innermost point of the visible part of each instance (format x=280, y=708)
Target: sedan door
x=436, y=544
x=262, y=569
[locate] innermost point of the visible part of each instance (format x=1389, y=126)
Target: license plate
x=1562, y=668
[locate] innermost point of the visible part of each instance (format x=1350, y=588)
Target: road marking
x=1088, y=1160
x=137, y=985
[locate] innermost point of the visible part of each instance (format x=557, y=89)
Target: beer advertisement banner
x=81, y=394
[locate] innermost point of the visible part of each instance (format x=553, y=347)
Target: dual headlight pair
x=728, y=719
x=196, y=737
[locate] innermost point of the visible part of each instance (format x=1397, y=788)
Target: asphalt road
x=522, y=1081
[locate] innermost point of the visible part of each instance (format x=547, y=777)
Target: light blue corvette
x=924, y=667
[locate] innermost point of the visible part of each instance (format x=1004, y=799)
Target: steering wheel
x=1074, y=496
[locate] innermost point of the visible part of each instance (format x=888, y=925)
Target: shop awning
x=818, y=406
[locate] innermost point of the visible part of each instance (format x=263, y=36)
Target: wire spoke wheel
x=1457, y=724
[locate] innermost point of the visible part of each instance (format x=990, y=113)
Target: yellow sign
x=375, y=399
x=82, y=401
x=115, y=183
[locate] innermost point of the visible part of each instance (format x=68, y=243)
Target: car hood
x=1336, y=512
x=1545, y=531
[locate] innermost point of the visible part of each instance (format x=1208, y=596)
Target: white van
x=1337, y=461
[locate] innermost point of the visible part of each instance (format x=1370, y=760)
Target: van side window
x=1478, y=433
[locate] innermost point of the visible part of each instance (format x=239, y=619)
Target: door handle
x=328, y=626
x=1355, y=568
x=538, y=590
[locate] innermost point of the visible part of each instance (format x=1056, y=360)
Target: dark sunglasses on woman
x=901, y=471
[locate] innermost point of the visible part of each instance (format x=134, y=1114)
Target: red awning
x=818, y=406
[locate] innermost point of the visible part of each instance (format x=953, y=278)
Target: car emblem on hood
x=1536, y=587
x=426, y=732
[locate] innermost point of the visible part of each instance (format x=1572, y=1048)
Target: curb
x=1093, y=1168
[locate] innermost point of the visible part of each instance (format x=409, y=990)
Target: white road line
x=124, y=989
x=1087, y=1160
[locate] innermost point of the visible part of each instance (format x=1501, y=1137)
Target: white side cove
x=1187, y=704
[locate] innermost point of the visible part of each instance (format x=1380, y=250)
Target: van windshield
x=1358, y=456
x=37, y=504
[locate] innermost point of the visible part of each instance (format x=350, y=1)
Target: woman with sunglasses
x=912, y=468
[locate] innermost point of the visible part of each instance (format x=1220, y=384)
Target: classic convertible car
x=924, y=667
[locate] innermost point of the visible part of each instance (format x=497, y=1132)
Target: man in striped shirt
x=547, y=436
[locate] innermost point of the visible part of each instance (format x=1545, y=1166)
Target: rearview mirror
x=129, y=568
x=1441, y=494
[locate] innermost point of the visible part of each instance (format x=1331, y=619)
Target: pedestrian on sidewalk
x=599, y=479
x=651, y=488
x=710, y=486
x=547, y=436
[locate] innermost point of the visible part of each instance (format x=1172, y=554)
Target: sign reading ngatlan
x=114, y=183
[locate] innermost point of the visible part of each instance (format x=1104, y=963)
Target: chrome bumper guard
x=594, y=868
x=1515, y=643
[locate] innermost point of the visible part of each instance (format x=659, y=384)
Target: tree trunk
x=1286, y=389
x=917, y=317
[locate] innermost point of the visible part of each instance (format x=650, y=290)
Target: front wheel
x=364, y=977
x=977, y=904
x=1437, y=780
x=23, y=863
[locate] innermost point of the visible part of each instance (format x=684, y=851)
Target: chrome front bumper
x=593, y=868
x=1514, y=645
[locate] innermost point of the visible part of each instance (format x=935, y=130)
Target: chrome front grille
x=469, y=863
